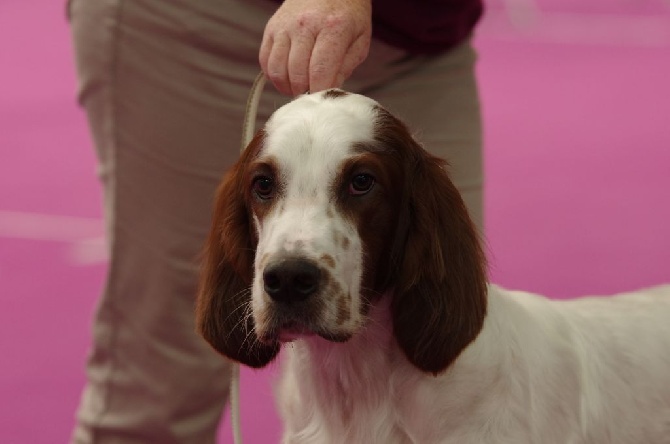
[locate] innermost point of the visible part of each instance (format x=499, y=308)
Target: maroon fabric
x=424, y=26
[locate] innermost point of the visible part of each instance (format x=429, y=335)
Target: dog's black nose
x=291, y=280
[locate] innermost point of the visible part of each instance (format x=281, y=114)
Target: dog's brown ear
x=439, y=302
x=223, y=308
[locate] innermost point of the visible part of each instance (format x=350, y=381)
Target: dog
x=338, y=235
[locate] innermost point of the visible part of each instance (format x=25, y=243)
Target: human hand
x=312, y=45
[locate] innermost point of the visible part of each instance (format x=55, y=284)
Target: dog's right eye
x=361, y=184
x=264, y=187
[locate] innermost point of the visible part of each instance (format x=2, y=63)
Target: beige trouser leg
x=438, y=99
x=164, y=84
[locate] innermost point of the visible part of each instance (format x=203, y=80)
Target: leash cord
x=248, y=127
x=251, y=111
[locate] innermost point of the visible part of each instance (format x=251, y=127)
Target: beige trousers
x=164, y=85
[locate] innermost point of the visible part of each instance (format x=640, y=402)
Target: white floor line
x=48, y=227
x=83, y=237
x=587, y=29
x=89, y=252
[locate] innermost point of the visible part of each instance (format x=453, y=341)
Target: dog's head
x=332, y=206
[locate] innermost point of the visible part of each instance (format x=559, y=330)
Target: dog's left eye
x=361, y=184
x=264, y=187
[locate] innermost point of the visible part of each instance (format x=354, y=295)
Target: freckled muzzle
x=300, y=292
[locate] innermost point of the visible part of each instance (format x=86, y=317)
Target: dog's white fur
x=308, y=222
x=587, y=371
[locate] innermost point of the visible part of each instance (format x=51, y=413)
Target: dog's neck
x=344, y=385
x=358, y=365
x=370, y=379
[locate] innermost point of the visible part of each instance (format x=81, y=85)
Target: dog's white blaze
x=308, y=147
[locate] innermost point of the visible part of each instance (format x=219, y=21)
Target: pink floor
x=577, y=114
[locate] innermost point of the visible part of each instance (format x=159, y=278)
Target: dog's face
x=321, y=217
x=332, y=205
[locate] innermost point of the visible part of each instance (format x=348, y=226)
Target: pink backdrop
x=577, y=111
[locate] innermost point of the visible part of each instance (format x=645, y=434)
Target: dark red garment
x=424, y=26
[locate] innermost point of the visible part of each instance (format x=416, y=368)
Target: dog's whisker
x=242, y=304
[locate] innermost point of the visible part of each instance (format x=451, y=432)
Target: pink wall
x=578, y=185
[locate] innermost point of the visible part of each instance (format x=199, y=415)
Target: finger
x=354, y=56
x=277, y=64
x=298, y=63
x=264, y=52
x=326, y=61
